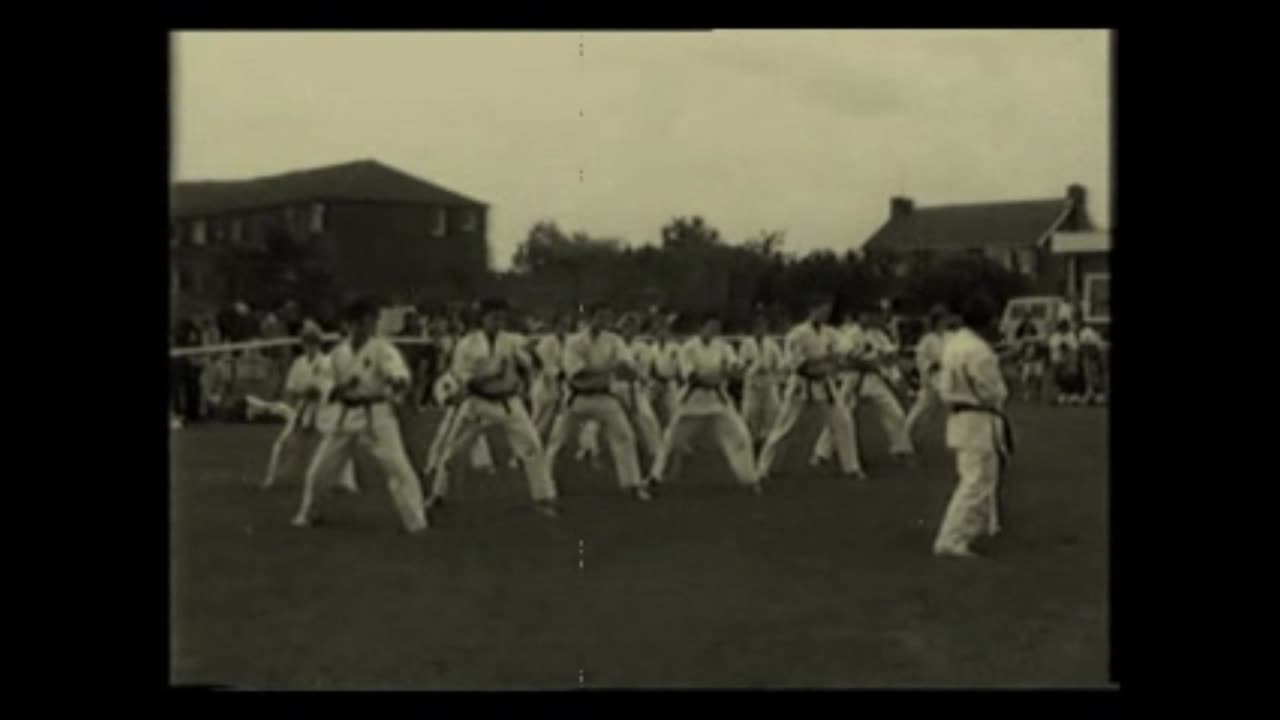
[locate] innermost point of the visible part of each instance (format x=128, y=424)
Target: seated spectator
x=190, y=405
x=217, y=383
x=272, y=329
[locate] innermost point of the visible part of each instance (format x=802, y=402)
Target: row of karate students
x=598, y=378
x=659, y=363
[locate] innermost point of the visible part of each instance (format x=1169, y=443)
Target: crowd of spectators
x=210, y=385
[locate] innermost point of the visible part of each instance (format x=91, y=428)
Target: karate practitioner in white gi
x=706, y=362
x=449, y=394
x=762, y=360
x=665, y=370
x=485, y=363
x=635, y=392
x=812, y=387
x=971, y=385
x=928, y=365
x=309, y=380
x=593, y=359
x=369, y=375
x=871, y=353
x=548, y=384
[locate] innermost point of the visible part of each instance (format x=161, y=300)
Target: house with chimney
x=1052, y=241
x=375, y=229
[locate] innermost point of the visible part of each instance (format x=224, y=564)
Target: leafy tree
x=682, y=233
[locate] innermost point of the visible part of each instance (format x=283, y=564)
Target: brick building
x=1019, y=235
x=376, y=229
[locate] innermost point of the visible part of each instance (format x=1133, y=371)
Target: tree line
x=694, y=270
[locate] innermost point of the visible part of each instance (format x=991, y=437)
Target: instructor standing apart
x=974, y=391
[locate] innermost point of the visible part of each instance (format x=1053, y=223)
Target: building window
x=198, y=233
x=317, y=218
x=182, y=279
x=1097, y=297
x=175, y=234
x=1026, y=262
x=237, y=231
x=439, y=222
x=470, y=220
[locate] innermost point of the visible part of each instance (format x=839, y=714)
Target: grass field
x=819, y=583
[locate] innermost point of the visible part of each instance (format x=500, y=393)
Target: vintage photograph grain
x=614, y=360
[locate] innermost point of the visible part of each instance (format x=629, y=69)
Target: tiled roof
x=362, y=180
x=959, y=227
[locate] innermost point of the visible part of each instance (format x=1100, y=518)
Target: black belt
x=366, y=403
x=1002, y=458
x=827, y=382
x=1005, y=425
x=362, y=403
x=573, y=393
x=503, y=399
x=692, y=386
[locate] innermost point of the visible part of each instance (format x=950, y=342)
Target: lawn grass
x=819, y=583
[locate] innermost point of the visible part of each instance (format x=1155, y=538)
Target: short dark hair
x=495, y=304
x=819, y=297
x=361, y=308
x=978, y=310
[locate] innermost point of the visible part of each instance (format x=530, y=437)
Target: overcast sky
x=806, y=131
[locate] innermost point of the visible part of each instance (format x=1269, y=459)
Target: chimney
x=1078, y=218
x=900, y=207
x=1076, y=194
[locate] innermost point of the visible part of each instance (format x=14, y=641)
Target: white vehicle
x=1044, y=311
x=391, y=319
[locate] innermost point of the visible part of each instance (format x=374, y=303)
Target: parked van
x=1044, y=310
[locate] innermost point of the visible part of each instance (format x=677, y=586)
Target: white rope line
x=408, y=340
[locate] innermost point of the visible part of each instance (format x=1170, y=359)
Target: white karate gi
x=603, y=352
x=310, y=374
x=763, y=359
x=810, y=342
x=479, y=356
x=928, y=365
x=972, y=387
x=702, y=404
x=875, y=347
x=636, y=395
x=371, y=425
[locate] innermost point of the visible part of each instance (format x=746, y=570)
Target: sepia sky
x=805, y=131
